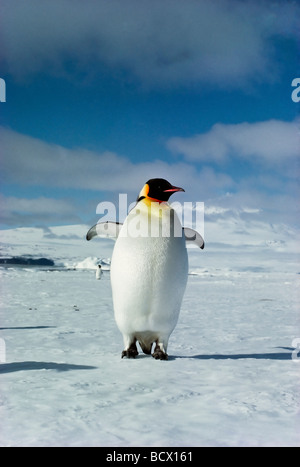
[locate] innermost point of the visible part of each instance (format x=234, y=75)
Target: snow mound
x=91, y=262
x=88, y=263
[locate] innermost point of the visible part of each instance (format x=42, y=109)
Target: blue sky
x=103, y=95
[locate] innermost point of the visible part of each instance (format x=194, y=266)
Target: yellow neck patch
x=144, y=193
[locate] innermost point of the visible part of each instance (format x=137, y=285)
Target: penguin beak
x=173, y=189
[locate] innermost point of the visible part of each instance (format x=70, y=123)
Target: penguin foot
x=158, y=354
x=130, y=353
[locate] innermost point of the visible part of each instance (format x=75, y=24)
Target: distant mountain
x=230, y=242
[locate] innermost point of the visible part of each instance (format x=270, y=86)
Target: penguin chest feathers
x=149, y=268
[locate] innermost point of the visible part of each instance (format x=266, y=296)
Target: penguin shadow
x=29, y=366
x=26, y=327
x=240, y=356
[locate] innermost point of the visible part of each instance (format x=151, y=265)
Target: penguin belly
x=148, y=277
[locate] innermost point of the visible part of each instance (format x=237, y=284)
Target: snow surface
x=230, y=379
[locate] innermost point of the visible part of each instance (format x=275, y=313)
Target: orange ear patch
x=145, y=190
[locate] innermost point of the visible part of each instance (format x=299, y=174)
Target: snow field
x=230, y=379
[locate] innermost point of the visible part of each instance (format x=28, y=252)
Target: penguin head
x=158, y=189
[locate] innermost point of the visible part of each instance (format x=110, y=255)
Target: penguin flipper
x=104, y=229
x=191, y=236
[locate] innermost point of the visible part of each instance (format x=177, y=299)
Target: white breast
x=148, y=273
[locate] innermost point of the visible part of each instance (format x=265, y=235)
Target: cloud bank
x=24, y=211
x=271, y=142
x=30, y=162
x=157, y=43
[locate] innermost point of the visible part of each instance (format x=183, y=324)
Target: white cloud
x=272, y=142
x=212, y=210
x=158, y=43
x=29, y=161
x=34, y=164
x=25, y=211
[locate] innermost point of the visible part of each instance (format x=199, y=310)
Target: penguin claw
x=158, y=354
x=129, y=353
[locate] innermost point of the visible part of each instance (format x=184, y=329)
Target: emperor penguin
x=98, y=272
x=149, y=269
